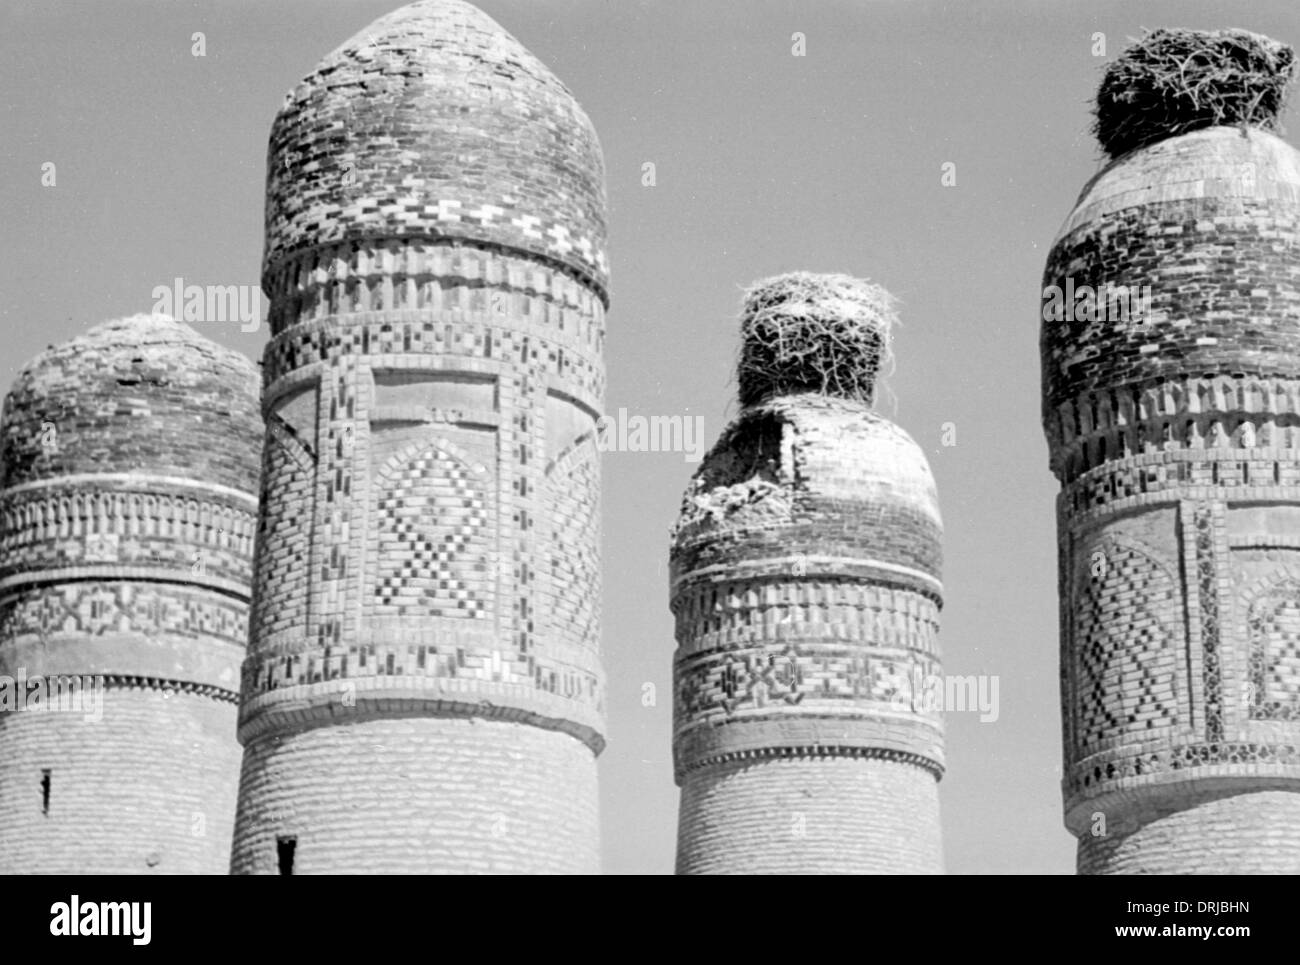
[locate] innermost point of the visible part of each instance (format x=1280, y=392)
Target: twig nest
x=803, y=332
x=1174, y=81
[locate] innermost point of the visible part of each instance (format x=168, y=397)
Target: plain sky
x=765, y=162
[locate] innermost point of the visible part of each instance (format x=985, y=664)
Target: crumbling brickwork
x=127, y=515
x=425, y=631
x=805, y=583
x=1174, y=434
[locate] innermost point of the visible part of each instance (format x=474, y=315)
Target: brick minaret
x=1174, y=429
x=423, y=690
x=127, y=518
x=805, y=583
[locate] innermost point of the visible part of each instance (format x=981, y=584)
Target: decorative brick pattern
x=388, y=293
x=456, y=677
x=573, y=508
x=1167, y=478
x=1149, y=768
x=1190, y=417
x=431, y=554
x=119, y=524
x=96, y=608
x=805, y=591
x=1216, y=248
x=1204, y=522
x=126, y=553
x=428, y=564
x=283, y=573
x=1175, y=434
x=1124, y=632
x=526, y=172
x=730, y=669
x=1274, y=624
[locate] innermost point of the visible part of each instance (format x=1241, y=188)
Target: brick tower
x=423, y=690
x=1174, y=427
x=805, y=570
x=127, y=515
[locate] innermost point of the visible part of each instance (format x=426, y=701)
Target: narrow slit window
x=285, y=848
x=45, y=791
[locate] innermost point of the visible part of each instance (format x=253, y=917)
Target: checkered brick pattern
x=431, y=520
x=1275, y=658
x=1125, y=649
x=575, y=552
x=1161, y=426
x=435, y=209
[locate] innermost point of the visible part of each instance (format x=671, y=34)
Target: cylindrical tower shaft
x=127, y=516
x=1171, y=387
x=423, y=691
x=805, y=585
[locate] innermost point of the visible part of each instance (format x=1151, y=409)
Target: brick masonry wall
x=126, y=541
x=429, y=535
x=420, y=795
x=1175, y=434
x=827, y=815
x=805, y=587
x=1242, y=833
x=147, y=789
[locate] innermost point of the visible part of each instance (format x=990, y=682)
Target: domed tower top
x=805, y=585
x=435, y=122
x=806, y=447
x=1165, y=279
x=139, y=394
x=787, y=467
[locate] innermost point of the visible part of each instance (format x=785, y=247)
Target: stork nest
x=1174, y=81
x=804, y=332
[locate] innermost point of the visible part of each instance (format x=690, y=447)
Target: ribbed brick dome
x=435, y=122
x=788, y=466
x=144, y=393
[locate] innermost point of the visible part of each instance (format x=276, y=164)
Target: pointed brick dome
x=435, y=122
x=139, y=394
